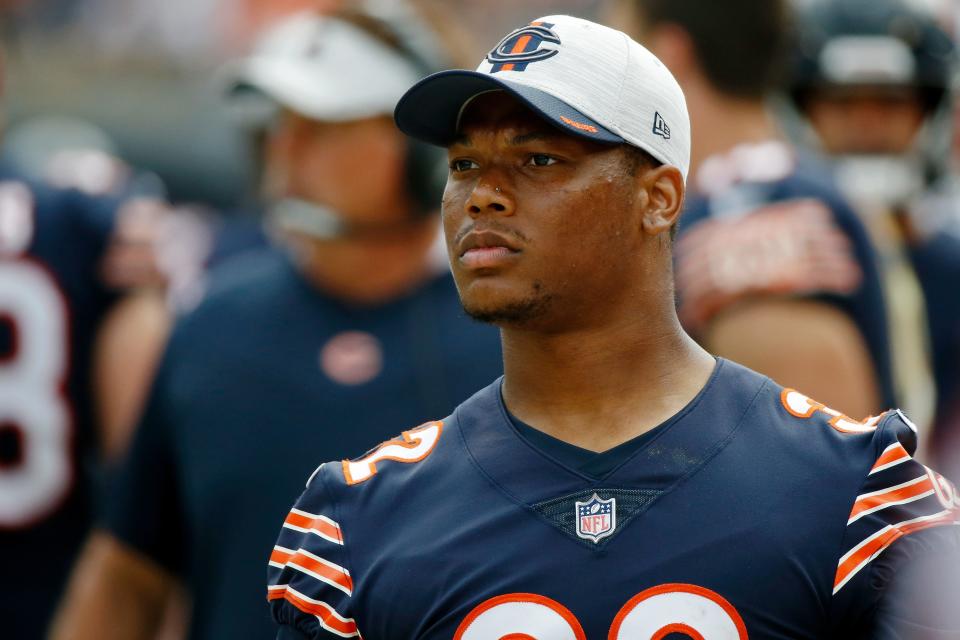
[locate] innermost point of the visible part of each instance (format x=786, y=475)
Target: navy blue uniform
x=263, y=378
x=754, y=512
x=51, y=301
x=760, y=222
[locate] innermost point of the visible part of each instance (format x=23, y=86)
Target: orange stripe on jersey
x=861, y=555
x=308, y=522
x=677, y=627
x=327, y=571
x=280, y=556
x=901, y=494
x=891, y=456
x=327, y=615
x=314, y=566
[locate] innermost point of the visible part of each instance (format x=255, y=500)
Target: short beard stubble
x=515, y=313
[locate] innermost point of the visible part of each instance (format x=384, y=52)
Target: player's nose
x=490, y=197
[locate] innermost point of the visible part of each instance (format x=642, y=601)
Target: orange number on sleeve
x=416, y=445
x=802, y=406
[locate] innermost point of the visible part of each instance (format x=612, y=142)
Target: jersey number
x=35, y=418
x=416, y=445
x=802, y=406
x=653, y=614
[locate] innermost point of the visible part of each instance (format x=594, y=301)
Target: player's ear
x=664, y=189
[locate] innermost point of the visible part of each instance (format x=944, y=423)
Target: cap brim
x=430, y=110
x=326, y=93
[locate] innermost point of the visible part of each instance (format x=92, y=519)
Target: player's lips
x=486, y=249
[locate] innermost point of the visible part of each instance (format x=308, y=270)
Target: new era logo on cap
x=660, y=127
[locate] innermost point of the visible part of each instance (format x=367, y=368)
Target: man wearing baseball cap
x=618, y=481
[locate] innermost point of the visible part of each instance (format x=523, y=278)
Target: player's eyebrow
x=533, y=136
x=464, y=140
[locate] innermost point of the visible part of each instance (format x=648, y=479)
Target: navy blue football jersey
x=264, y=377
x=754, y=512
x=763, y=221
x=51, y=301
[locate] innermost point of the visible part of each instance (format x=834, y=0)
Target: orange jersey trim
x=861, y=555
x=891, y=456
x=327, y=615
x=677, y=627
x=532, y=598
x=406, y=450
x=311, y=523
x=724, y=604
x=902, y=493
x=323, y=570
x=842, y=423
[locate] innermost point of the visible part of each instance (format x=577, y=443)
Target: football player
x=315, y=348
x=873, y=80
x=67, y=263
x=618, y=482
x=766, y=248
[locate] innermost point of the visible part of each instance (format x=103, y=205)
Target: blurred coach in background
x=773, y=269
x=873, y=80
x=297, y=354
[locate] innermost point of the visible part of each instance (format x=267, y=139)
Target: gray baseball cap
x=587, y=79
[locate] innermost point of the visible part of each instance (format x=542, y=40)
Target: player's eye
x=541, y=160
x=459, y=165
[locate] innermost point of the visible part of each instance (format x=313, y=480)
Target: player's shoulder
x=799, y=425
x=789, y=233
x=422, y=456
x=419, y=456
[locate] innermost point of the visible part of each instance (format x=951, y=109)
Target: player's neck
x=720, y=123
x=597, y=388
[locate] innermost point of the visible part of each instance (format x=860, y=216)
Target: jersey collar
x=684, y=444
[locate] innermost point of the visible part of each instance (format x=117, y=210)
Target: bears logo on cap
x=522, y=47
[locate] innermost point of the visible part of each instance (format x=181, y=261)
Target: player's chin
x=501, y=304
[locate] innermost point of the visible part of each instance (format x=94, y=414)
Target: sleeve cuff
x=289, y=633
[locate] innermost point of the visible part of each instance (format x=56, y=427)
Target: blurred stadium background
x=144, y=74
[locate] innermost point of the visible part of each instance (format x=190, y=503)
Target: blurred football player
x=773, y=269
x=873, y=80
x=311, y=350
x=82, y=320
x=617, y=482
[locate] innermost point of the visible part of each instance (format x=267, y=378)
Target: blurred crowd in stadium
x=220, y=266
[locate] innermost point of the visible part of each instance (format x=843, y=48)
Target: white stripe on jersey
x=875, y=536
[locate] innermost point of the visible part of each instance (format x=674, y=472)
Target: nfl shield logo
x=596, y=518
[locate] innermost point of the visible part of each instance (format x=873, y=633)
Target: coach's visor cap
x=587, y=79
x=325, y=69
